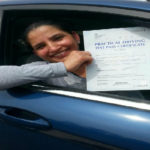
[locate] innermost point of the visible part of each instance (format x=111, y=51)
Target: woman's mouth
x=61, y=54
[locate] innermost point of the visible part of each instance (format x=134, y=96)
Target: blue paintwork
x=109, y=3
x=115, y=125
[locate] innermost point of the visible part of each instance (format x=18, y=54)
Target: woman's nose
x=53, y=46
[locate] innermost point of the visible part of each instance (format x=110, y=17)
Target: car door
x=38, y=116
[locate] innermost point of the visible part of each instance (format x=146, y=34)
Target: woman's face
x=52, y=44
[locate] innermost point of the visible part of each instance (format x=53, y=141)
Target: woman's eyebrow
x=56, y=35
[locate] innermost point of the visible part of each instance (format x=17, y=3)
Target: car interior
x=15, y=51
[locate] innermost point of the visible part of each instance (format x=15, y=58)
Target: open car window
x=16, y=21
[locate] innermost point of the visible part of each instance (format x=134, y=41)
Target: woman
x=54, y=42
x=68, y=60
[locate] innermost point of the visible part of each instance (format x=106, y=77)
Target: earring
x=78, y=42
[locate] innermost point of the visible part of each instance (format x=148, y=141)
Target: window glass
x=18, y=53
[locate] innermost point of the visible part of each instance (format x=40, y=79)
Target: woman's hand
x=77, y=58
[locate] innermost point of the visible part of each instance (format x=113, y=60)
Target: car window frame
x=104, y=98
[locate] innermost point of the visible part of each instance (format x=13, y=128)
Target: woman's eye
x=57, y=38
x=39, y=47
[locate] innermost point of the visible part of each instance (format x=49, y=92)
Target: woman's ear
x=76, y=36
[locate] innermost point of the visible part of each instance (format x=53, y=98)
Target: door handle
x=23, y=118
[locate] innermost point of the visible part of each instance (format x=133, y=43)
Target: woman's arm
x=11, y=76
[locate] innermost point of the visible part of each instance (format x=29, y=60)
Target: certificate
x=121, y=59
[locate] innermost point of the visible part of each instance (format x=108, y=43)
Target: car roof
x=95, y=2
x=134, y=4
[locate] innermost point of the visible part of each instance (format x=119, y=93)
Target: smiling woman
x=51, y=44
x=54, y=42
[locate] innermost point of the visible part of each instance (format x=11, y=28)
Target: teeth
x=59, y=54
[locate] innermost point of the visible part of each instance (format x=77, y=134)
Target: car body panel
x=120, y=123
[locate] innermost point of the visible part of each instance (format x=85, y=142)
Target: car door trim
x=99, y=98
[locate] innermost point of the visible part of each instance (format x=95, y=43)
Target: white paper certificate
x=121, y=59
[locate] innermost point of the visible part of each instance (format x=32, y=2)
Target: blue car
x=38, y=116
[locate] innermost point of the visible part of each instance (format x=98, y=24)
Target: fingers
x=82, y=57
x=86, y=57
x=76, y=59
